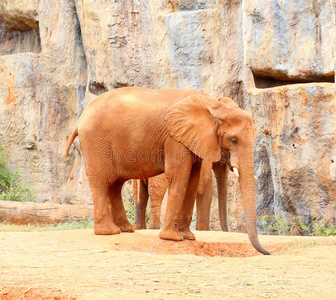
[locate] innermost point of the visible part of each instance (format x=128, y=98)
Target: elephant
x=136, y=133
x=155, y=189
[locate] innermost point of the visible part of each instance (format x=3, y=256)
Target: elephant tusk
x=255, y=178
x=235, y=170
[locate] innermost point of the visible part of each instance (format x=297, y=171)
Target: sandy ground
x=76, y=264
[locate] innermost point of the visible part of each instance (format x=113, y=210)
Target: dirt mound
x=147, y=241
x=198, y=248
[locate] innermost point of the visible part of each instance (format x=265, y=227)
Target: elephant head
x=209, y=127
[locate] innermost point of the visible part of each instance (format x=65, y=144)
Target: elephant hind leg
x=118, y=210
x=103, y=219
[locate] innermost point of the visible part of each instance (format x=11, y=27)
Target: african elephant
x=155, y=189
x=135, y=133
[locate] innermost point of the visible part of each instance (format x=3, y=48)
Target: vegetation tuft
x=12, y=186
x=276, y=225
x=83, y=223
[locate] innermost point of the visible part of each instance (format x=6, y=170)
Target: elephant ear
x=190, y=122
x=228, y=101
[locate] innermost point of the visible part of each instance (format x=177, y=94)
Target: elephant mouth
x=225, y=160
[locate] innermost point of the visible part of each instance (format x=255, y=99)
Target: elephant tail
x=71, y=139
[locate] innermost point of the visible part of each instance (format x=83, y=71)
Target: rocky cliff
x=274, y=58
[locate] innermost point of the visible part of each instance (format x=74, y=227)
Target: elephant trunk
x=247, y=187
x=221, y=173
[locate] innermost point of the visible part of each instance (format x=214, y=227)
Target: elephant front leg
x=189, y=202
x=178, y=171
x=171, y=231
x=103, y=219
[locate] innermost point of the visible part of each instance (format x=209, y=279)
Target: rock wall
x=290, y=74
x=274, y=58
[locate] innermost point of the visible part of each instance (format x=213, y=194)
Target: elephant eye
x=234, y=141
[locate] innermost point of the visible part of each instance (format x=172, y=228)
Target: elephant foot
x=126, y=227
x=139, y=226
x=153, y=227
x=187, y=234
x=106, y=229
x=170, y=234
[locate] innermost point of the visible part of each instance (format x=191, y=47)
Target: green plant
x=127, y=194
x=323, y=228
x=7, y=177
x=12, y=186
x=19, y=191
x=83, y=223
x=274, y=225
